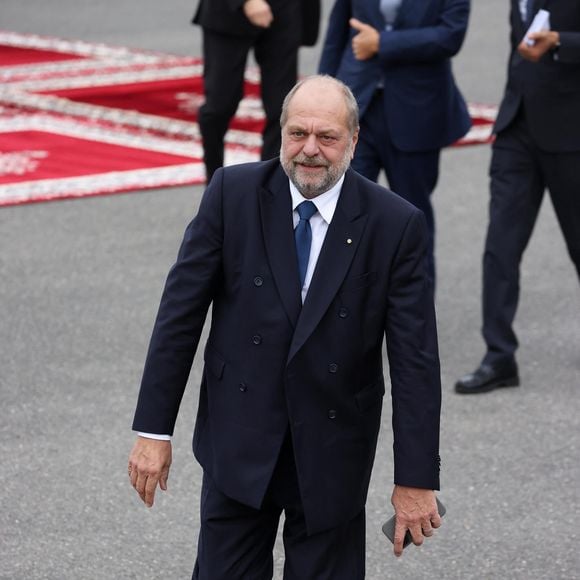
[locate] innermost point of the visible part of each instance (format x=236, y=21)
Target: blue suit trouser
x=236, y=541
x=411, y=174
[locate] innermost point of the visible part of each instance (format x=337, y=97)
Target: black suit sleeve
x=236, y=4
x=569, y=50
x=189, y=290
x=414, y=362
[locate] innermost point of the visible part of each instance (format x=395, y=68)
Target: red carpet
x=80, y=119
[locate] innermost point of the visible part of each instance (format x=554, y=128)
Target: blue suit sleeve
x=337, y=37
x=431, y=43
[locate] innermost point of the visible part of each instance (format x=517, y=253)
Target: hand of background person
x=545, y=40
x=416, y=511
x=258, y=12
x=365, y=44
x=149, y=464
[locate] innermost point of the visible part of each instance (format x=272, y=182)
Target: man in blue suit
x=307, y=267
x=395, y=55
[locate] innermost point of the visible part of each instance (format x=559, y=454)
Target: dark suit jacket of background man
x=422, y=105
x=273, y=364
x=226, y=16
x=549, y=90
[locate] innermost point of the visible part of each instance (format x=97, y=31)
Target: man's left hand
x=544, y=41
x=416, y=511
x=366, y=43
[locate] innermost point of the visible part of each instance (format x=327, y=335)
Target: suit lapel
x=405, y=9
x=277, y=227
x=518, y=23
x=340, y=245
x=522, y=26
x=533, y=7
x=376, y=16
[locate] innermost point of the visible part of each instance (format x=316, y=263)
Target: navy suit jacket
x=273, y=364
x=423, y=106
x=549, y=90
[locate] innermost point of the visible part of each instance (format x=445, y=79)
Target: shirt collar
x=325, y=202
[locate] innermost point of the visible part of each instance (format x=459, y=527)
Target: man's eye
x=298, y=134
x=327, y=139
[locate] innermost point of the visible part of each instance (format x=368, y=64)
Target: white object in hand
x=540, y=22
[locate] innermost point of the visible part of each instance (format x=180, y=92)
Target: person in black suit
x=274, y=29
x=292, y=387
x=537, y=147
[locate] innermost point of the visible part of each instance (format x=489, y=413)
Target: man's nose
x=311, y=146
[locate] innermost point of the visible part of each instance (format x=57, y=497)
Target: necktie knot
x=306, y=210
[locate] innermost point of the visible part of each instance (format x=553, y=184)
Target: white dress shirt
x=524, y=10
x=326, y=205
x=390, y=9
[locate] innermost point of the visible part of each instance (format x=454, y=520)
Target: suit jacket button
x=257, y=339
x=343, y=313
x=243, y=387
x=332, y=414
x=332, y=367
x=258, y=281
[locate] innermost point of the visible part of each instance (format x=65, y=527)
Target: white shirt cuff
x=154, y=436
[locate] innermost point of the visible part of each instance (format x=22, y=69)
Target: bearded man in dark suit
x=537, y=148
x=292, y=389
x=274, y=30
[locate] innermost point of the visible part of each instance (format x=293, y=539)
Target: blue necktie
x=303, y=237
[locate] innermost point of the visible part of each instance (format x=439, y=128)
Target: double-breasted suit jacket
x=422, y=104
x=549, y=90
x=273, y=364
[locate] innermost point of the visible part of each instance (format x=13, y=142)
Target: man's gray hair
x=349, y=100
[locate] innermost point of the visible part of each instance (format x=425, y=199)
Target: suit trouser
x=225, y=56
x=236, y=541
x=520, y=172
x=411, y=174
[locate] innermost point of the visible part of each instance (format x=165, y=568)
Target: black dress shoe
x=487, y=378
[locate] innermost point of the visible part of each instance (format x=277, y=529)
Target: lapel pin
x=348, y=241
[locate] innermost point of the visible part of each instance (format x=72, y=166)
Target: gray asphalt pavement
x=80, y=284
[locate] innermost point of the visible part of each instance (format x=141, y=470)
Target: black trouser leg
x=562, y=172
x=236, y=541
x=223, y=76
x=276, y=52
x=517, y=187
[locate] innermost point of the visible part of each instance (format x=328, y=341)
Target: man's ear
x=354, y=142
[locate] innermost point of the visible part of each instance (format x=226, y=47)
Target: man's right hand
x=149, y=464
x=543, y=41
x=258, y=12
x=416, y=511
